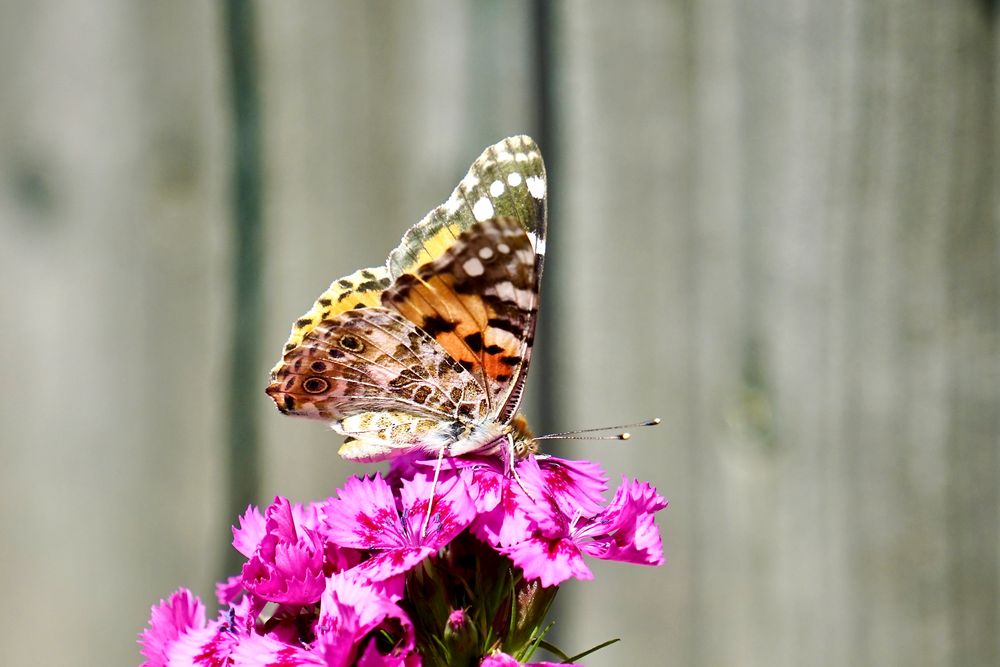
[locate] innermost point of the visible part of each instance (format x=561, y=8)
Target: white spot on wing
x=522, y=297
x=473, y=267
x=514, y=179
x=506, y=291
x=485, y=252
x=482, y=209
x=503, y=248
x=536, y=186
x=521, y=157
x=504, y=156
x=536, y=243
x=470, y=181
x=453, y=204
x=526, y=257
x=525, y=299
x=496, y=188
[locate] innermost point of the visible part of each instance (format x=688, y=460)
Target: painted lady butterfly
x=430, y=352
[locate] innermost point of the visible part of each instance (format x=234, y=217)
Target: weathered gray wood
x=113, y=320
x=777, y=229
x=818, y=312
x=374, y=111
x=620, y=249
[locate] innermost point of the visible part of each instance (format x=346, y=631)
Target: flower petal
x=451, y=512
x=351, y=610
x=626, y=530
x=363, y=515
x=388, y=564
x=550, y=561
x=262, y=651
x=177, y=616
x=288, y=565
x=251, y=531
x=209, y=647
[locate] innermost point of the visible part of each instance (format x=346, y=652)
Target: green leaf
x=577, y=657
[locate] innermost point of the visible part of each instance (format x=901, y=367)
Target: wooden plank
x=374, y=112
x=620, y=248
x=113, y=320
x=777, y=229
x=798, y=232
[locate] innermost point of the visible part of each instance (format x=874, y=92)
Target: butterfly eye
x=315, y=385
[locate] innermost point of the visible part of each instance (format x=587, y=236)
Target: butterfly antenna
x=430, y=501
x=583, y=434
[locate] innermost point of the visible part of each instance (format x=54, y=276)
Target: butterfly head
x=522, y=439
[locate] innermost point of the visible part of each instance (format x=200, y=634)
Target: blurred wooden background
x=774, y=224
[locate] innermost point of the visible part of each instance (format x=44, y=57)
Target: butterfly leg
x=430, y=501
x=512, y=466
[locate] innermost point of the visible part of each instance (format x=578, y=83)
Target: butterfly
x=429, y=353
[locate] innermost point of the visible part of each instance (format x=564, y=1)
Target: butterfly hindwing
x=361, y=289
x=373, y=360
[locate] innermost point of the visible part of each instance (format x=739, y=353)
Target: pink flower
x=178, y=635
x=365, y=516
x=337, y=569
x=351, y=612
x=626, y=530
x=287, y=564
x=261, y=651
x=181, y=613
x=457, y=618
x=580, y=484
x=501, y=521
x=571, y=484
x=211, y=646
x=562, y=531
x=228, y=591
x=251, y=531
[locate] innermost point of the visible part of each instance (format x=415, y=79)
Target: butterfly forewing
x=508, y=179
x=478, y=301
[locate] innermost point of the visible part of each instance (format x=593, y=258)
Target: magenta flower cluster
x=369, y=578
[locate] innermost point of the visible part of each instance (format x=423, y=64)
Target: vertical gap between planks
x=243, y=438
x=550, y=412
x=543, y=377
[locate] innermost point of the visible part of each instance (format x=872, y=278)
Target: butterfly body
x=430, y=352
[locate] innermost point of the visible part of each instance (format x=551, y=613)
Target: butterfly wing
x=408, y=384
x=479, y=301
x=382, y=382
x=507, y=180
x=361, y=289
x=507, y=183
x=372, y=360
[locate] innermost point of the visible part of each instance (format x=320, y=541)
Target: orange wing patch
x=478, y=301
